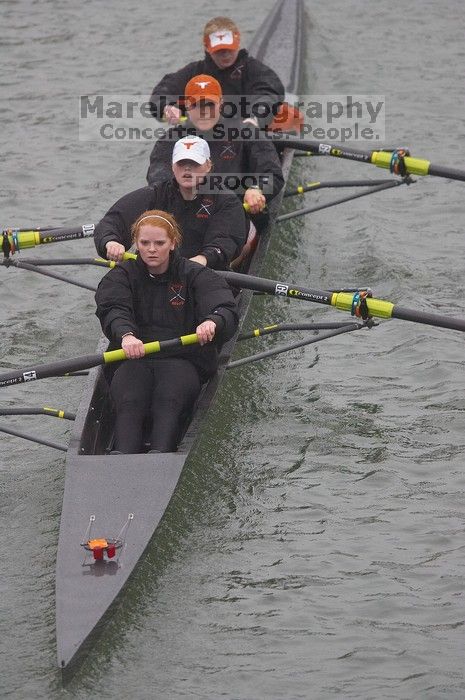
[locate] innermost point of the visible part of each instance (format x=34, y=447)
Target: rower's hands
x=133, y=347
x=255, y=200
x=206, y=332
x=172, y=114
x=115, y=251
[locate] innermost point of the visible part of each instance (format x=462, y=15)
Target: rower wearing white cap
x=238, y=73
x=254, y=161
x=213, y=225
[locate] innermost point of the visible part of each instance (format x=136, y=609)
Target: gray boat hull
x=114, y=488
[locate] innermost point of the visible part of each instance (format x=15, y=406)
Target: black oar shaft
x=44, y=262
x=283, y=327
x=260, y=284
x=49, y=370
x=325, y=149
x=345, y=328
x=333, y=184
x=451, y=173
x=32, y=438
x=47, y=273
x=454, y=324
x=341, y=200
x=40, y=411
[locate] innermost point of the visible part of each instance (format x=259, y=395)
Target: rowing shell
x=113, y=504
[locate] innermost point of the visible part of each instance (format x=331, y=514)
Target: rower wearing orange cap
x=238, y=73
x=248, y=166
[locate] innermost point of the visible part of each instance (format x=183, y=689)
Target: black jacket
x=228, y=155
x=214, y=226
x=167, y=306
x=247, y=76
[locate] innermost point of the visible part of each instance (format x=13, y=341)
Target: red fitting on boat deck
x=101, y=546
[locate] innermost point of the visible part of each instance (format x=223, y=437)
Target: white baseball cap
x=191, y=148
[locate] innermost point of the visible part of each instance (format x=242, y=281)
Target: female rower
x=213, y=225
x=249, y=166
x=161, y=295
x=244, y=80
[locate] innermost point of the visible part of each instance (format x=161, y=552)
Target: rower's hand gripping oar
x=74, y=364
x=357, y=304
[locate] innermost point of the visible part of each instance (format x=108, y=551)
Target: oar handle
x=75, y=364
x=152, y=347
x=111, y=263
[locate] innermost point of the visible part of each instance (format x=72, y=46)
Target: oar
x=14, y=239
x=22, y=265
x=310, y=186
x=53, y=262
x=389, y=160
x=283, y=327
x=44, y=262
x=352, y=302
x=40, y=411
x=32, y=438
x=73, y=364
x=35, y=265
x=348, y=198
x=337, y=329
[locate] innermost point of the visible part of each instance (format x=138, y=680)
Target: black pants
x=162, y=391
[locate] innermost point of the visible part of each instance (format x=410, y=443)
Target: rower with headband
x=157, y=296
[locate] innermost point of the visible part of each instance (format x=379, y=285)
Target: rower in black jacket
x=238, y=73
x=235, y=148
x=213, y=225
x=161, y=295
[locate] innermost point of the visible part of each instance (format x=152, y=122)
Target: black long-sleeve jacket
x=247, y=76
x=228, y=155
x=165, y=306
x=211, y=225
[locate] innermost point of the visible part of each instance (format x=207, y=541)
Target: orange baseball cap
x=203, y=87
x=222, y=39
